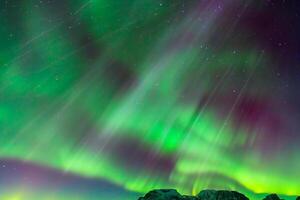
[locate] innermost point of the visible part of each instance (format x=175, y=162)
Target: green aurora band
x=87, y=85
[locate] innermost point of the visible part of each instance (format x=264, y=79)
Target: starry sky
x=108, y=99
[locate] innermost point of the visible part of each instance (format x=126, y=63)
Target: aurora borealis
x=108, y=99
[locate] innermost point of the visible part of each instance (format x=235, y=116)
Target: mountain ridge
x=172, y=194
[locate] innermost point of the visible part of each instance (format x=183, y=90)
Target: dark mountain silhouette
x=171, y=194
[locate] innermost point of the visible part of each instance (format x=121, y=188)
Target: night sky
x=108, y=99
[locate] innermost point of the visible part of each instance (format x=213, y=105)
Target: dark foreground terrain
x=171, y=194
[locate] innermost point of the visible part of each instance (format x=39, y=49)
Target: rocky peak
x=171, y=194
